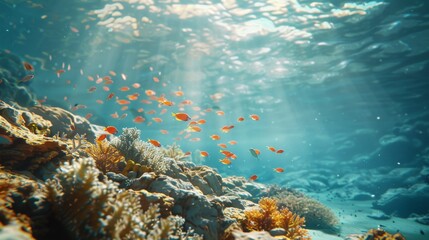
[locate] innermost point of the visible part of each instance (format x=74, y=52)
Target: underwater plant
x=105, y=155
x=268, y=216
x=173, y=151
x=317, y=216
x=93, y=209
x=144, y=153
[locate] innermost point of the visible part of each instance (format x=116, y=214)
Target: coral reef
x=106, y=156
x=317, y=216
x=376, y=234
x=130, y=145
x=93, y=209
x=268, y=217
x=174, y=152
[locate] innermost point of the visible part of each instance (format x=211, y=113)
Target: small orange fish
x=222, y=145
x=156, y=119
x=133, y=97
x=124, y=89
x=92, y=89
x=279, y=170
x=204, y=154
x=215, y=137
x=280, y=151
x=181, y=116
x=110, y=96
x=272, y=149
x=106, y=88
x=139, y=119
x=194, y=128
x=113, y=73
x=163, y=131
x=163, y=111
x=220, y=113
x=226, y=129
x=111, y=129
x=122, y=101
x=232, y=142
x=178, y=93
x=253, y=178
x=254, y=117
x=114, y=115
x=154, y=142
x=240, y=119
x=201, y=121
x=187, y=102
x=59, y=72
x=90, y=78
x=88, y=116
x=196, y=139
x=101, y=137
x=225, y=161
x=140, y=110
x=123, y=108
x=136, y=85
x=99, y=101
x=155, y=79
x=150, y=92
x=28, y=67
x=228, y=154
x=151, y=112
x=145, y=101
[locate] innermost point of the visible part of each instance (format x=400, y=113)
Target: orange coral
x=106, y=156
x=268, y=217
x=380, y=234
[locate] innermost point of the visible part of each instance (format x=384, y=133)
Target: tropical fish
x=272, y=149
x=114, y=115
x=222, y=145
x=136, y=85
x=101, y=137
x=240, y=119
x=220, y=113
x=255, y=152
x=92, y=89
x=28, y=67
x=201, y=121
x=150, y=92
x=279, y=170
x=226, y=129
x=194, y=128
x=163, y=131
x=111, y=129
x=88, y=116
x=154, y=142
x=228, y=154
x=139, y=119
x=157, y=119
x=253, y=178
x=27, y=78
x=204, y=154
x=122, y=101
x=59, y=72
x=225, y=161
x=178, y=93
x=232, y=142
x=110, y=96
x=254, y=117
x=181, y=116
x=280, y=151
x=124, y=89
x=155, y=79
x=215, y=137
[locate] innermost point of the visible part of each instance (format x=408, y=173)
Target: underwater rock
x=11, y=71
x=206, y=179
x=65, y=122
x=253, y=236
x=277, y=232
x=379, y=215
x=28, y=150
x=423, y=220
x=165, y=203
x=402, y=202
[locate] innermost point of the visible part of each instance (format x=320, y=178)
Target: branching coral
x=174, y=151
x=106, y=156
x=130, y=145
x=317, y=216
x=268, y=217
x=377, y=234
x=92, y=209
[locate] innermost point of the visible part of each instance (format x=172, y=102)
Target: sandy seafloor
x=353, y=220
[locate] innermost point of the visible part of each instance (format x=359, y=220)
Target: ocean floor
x=353, y=220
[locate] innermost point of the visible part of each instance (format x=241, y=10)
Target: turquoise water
x=335, y=83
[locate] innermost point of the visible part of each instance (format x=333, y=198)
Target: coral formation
x=93, y=209
x=174, y=152
x=130, y=145
x=317, y=216
x=106, y=156
x=268, y=217
x=376, y=234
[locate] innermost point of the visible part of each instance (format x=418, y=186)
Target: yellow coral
x=268, y=217
x=380, y=234
x=106, y=156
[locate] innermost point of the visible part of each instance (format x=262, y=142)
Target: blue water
x=329, y=80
